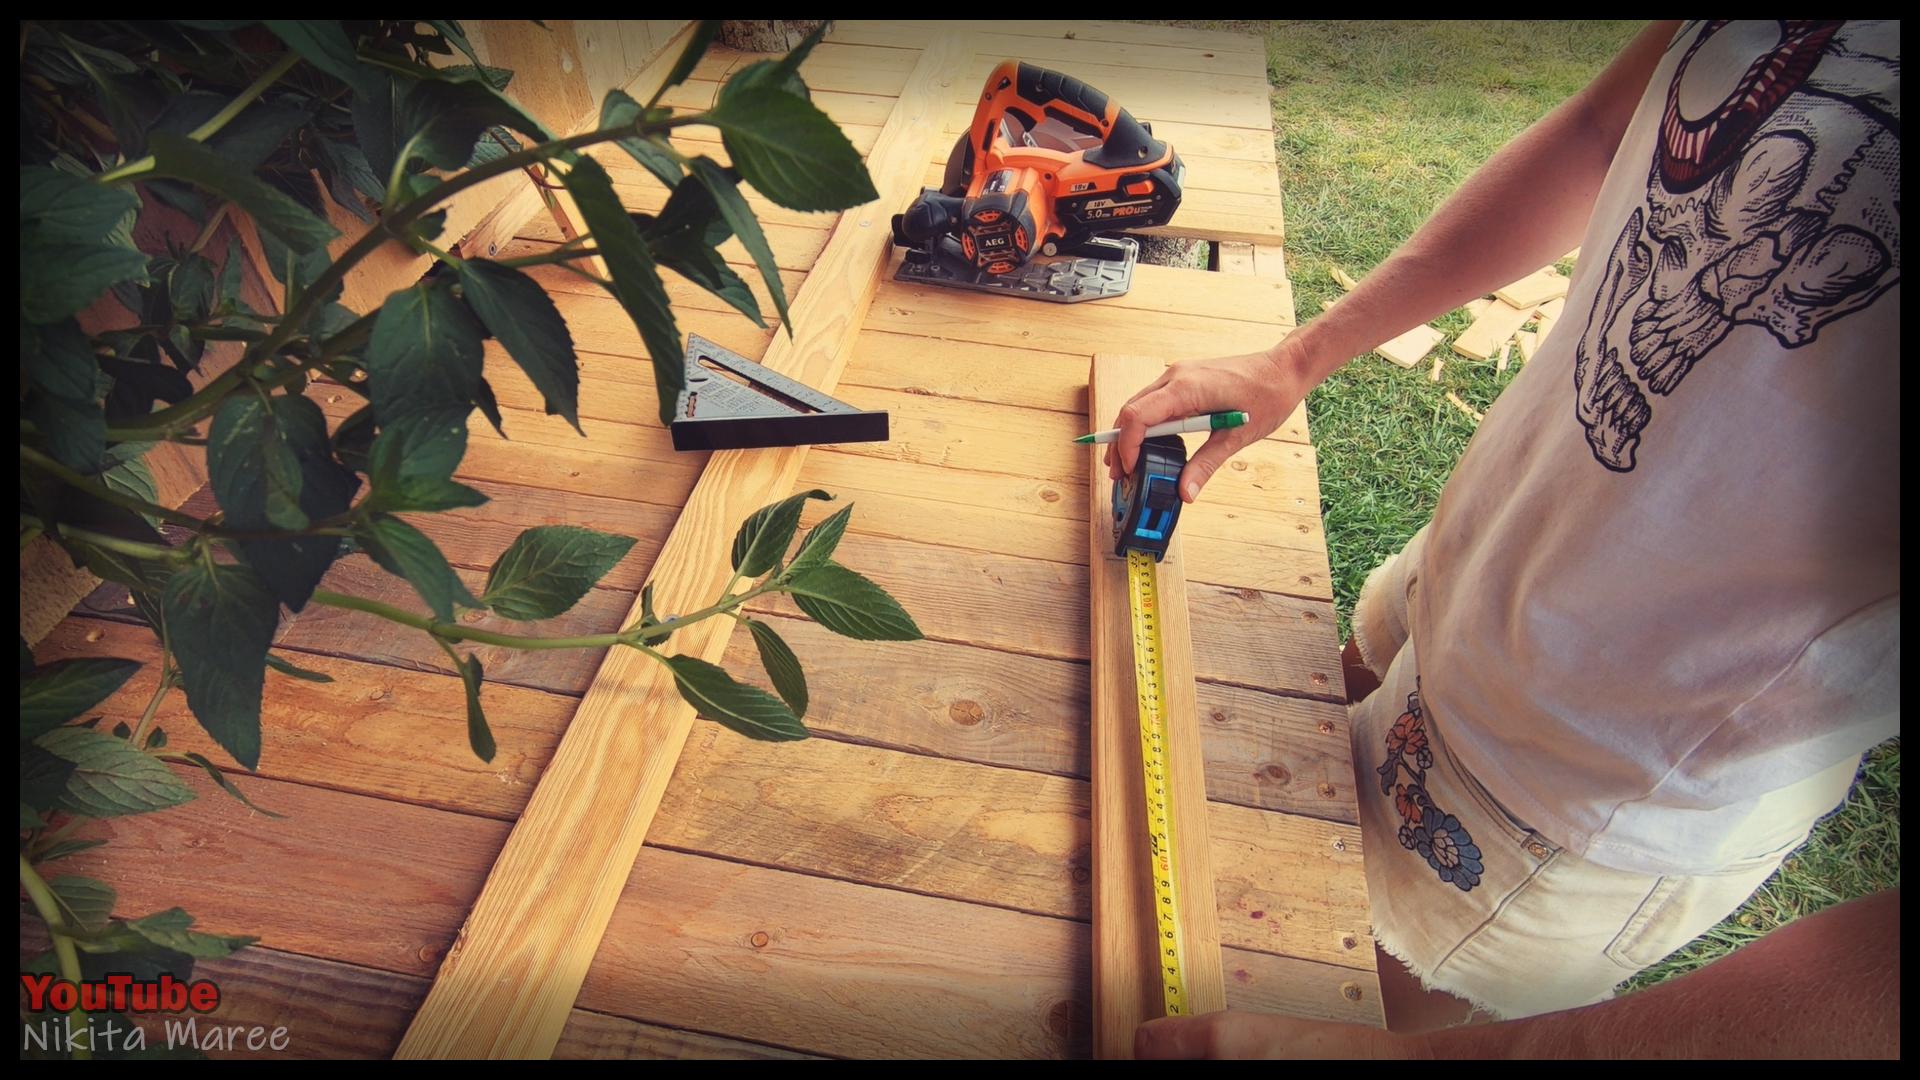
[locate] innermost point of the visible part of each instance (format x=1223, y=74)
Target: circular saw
x=1045, y=175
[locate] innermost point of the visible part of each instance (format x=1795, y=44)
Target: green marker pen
x=1210, y=422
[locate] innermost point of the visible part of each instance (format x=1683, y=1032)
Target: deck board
x=925, y=855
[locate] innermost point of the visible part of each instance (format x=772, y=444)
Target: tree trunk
x=766, y=35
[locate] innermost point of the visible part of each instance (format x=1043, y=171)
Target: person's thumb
x=1174, y=1038
x=1206, y=461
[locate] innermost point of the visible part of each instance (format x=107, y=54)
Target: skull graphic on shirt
x=1773, y=201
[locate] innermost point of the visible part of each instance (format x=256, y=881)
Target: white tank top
x=1662, y=589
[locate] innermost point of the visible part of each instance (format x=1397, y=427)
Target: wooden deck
x=915, y=880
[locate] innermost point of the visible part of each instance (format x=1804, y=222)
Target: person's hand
x=1266, y=386
x=1239, y=1035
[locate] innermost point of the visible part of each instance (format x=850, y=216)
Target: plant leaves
x=292, y=671
x=326, y=46
x=850, y=605
x=425, y=355
x=220, y=777
x=220, y=621
x=376, y=123
x=270, y=466
x=515, y=309
x=110, y=778
x=821, y=540
x=87, y=904
x=764, y=536
x=782, y=666
x=790, y=151
x=548, y=568
x=82, y=227
x=64, y=689
x=253, y=136
x=739, y=216
x=453, y=32
x=479, y=735
x=748, y=710
x=407, y=553
x=442, y=120
x=704, y=32
x=63, y=848
x=636, y=283
x=62, y=375
x=137, y=385
x=170, y=930
x=782, y=74
x=618, y=109
x=275, y=213
x=412, y=460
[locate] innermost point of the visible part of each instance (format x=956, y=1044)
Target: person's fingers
x=1136, y=416
x=1174, y=1038
x=1118, y=463
x=1206, y=461
x=1217, y=1036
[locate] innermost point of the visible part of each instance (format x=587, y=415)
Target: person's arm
x=1826, y=986
x=1525, y=207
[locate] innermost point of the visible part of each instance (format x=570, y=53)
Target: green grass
x=1375, y=124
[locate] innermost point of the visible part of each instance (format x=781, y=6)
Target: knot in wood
x=966, y=713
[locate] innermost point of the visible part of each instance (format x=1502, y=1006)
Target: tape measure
x=1146, y=506
x=1143, y=598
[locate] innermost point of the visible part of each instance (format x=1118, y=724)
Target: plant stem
x=30, y=456
x=206, y=234
x=219, y=120
x=164, y=423
x=446, y=631
x=153, y=704
x=550, y=257
x=452, y=631
x=64, y=953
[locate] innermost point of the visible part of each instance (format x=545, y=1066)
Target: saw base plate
x=1059, y=280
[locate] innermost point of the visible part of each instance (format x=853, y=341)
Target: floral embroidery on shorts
x=1434, y=834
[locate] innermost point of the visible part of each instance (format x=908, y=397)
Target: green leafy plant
x=273, y=121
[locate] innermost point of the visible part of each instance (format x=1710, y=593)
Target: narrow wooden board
x=1546, y=316
x=1535, y=289
x=540, y=918
x=1410, y=348
x=1474, y=308
x=1125, y=990
x=1234, y=257
x=1529, y=342
x=1491, y=330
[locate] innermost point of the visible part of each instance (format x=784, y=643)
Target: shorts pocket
x=1679, y=908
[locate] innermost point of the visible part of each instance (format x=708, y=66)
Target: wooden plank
x=1529, y=342
x=1535, y=289
x=1051, y=51
x=1234, y=258
x=1126, y=990
x=1491, y=331
x=1411, y=347
x=542, y=914
x=1131, y=33
x=1545, y=318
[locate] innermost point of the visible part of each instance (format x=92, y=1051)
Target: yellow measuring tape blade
x=1143, y=598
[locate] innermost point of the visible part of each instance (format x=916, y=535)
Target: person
x=1654, y=621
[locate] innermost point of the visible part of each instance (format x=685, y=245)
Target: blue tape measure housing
x=1146, y=502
